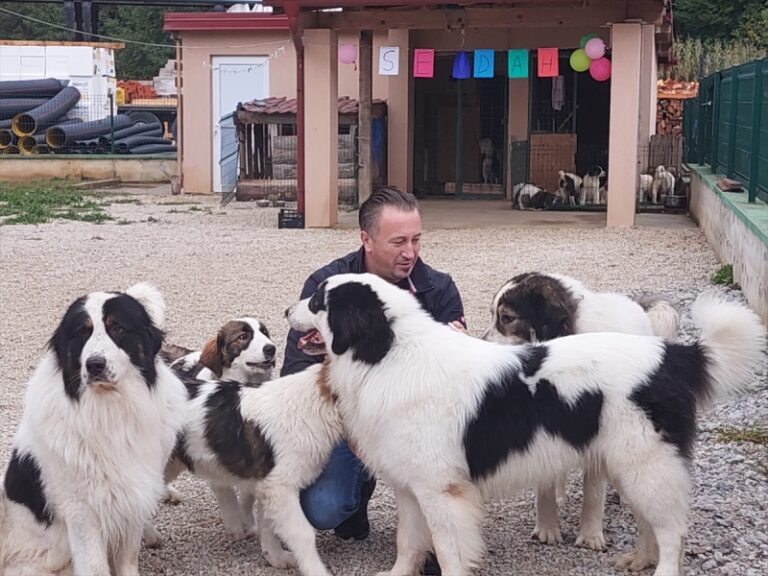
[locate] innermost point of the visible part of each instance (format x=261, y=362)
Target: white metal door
x=235, y=79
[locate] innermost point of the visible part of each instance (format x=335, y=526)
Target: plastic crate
x=288, y=218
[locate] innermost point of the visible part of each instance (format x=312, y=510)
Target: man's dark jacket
x=435, y=290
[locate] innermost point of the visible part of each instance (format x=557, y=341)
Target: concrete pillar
x=322, y=128
x=400, y=116
x=648, y=84
x=625, y=123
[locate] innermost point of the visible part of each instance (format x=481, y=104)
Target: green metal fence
x=727, y=125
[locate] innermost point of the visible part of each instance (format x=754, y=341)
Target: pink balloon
x=595, y=48
x=600, y=69
x=347, y=53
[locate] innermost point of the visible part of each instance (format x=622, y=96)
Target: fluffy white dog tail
x=665, y=321
x=733, y=339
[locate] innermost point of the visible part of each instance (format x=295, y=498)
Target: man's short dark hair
x=370, y=210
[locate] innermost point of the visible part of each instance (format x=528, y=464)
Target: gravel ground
x=213, y=264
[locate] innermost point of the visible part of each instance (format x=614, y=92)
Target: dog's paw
x=282, y=559
x=592, y=540
x=238, y=533
x=151, y=537
x=547, y=535
x=172, y=496
x=634, y=561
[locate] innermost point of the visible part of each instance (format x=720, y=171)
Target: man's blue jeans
x=335, y=495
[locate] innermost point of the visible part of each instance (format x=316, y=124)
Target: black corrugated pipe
x=60, y=136
x=149, y=129
x=7, y=138
x=46, y=115
x=46, y=88
x=154, y=149
x=10, y=150
x=140, y=139
x=9, y=107
x=40, y=138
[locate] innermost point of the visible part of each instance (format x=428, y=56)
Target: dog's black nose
x=96, y=365
x=269, y=351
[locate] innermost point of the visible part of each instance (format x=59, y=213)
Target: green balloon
x=586, y=38
x=580, y=61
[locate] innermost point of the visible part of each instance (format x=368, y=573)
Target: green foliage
x=696, y=58
x=39, y=202
x=144, y=24
x=724, y=275
x=743, y=20
x=714, y=35
x=15, y=28
x=750, y=434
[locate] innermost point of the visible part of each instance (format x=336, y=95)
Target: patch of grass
x=751, y=434
x=178, y=203
x=124, y=201
x=724, y=275
x=43, y=201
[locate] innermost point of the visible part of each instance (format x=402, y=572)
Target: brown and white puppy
x=536, y=307
x=241, y=351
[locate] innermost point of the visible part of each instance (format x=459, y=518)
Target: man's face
x=391, y=250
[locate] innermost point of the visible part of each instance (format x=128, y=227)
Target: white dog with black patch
x=101, y=415
x=448, y=419
x=270, y=442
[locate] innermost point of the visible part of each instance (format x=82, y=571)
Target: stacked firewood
x=669, y=116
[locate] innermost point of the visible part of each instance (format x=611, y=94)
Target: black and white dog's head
x=109, y=340
x=531, y=307
x=242, y=351
x=355, y=313
x=596, y=172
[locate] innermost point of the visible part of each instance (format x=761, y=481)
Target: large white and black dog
x=536, y=307
x=448, y=419
x=101, y=415
x=271, y=441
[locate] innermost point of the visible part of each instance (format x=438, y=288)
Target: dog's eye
x=118, y=329
x=243, y=336
x=507, y=318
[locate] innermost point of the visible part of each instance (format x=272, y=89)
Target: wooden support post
x=364, y=159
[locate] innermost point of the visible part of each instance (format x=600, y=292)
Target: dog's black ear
x=211, y=356
x=317, y=302
x=357, y=321
x=556, y=320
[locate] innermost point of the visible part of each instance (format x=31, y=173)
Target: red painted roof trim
x=202, y=21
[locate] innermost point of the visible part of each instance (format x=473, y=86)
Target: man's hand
x=458, y=325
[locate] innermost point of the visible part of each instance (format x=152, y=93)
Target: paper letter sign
x=517, y=64
x=548, y=63
x=483, y=63
x=423, y=63
x=389, y=60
